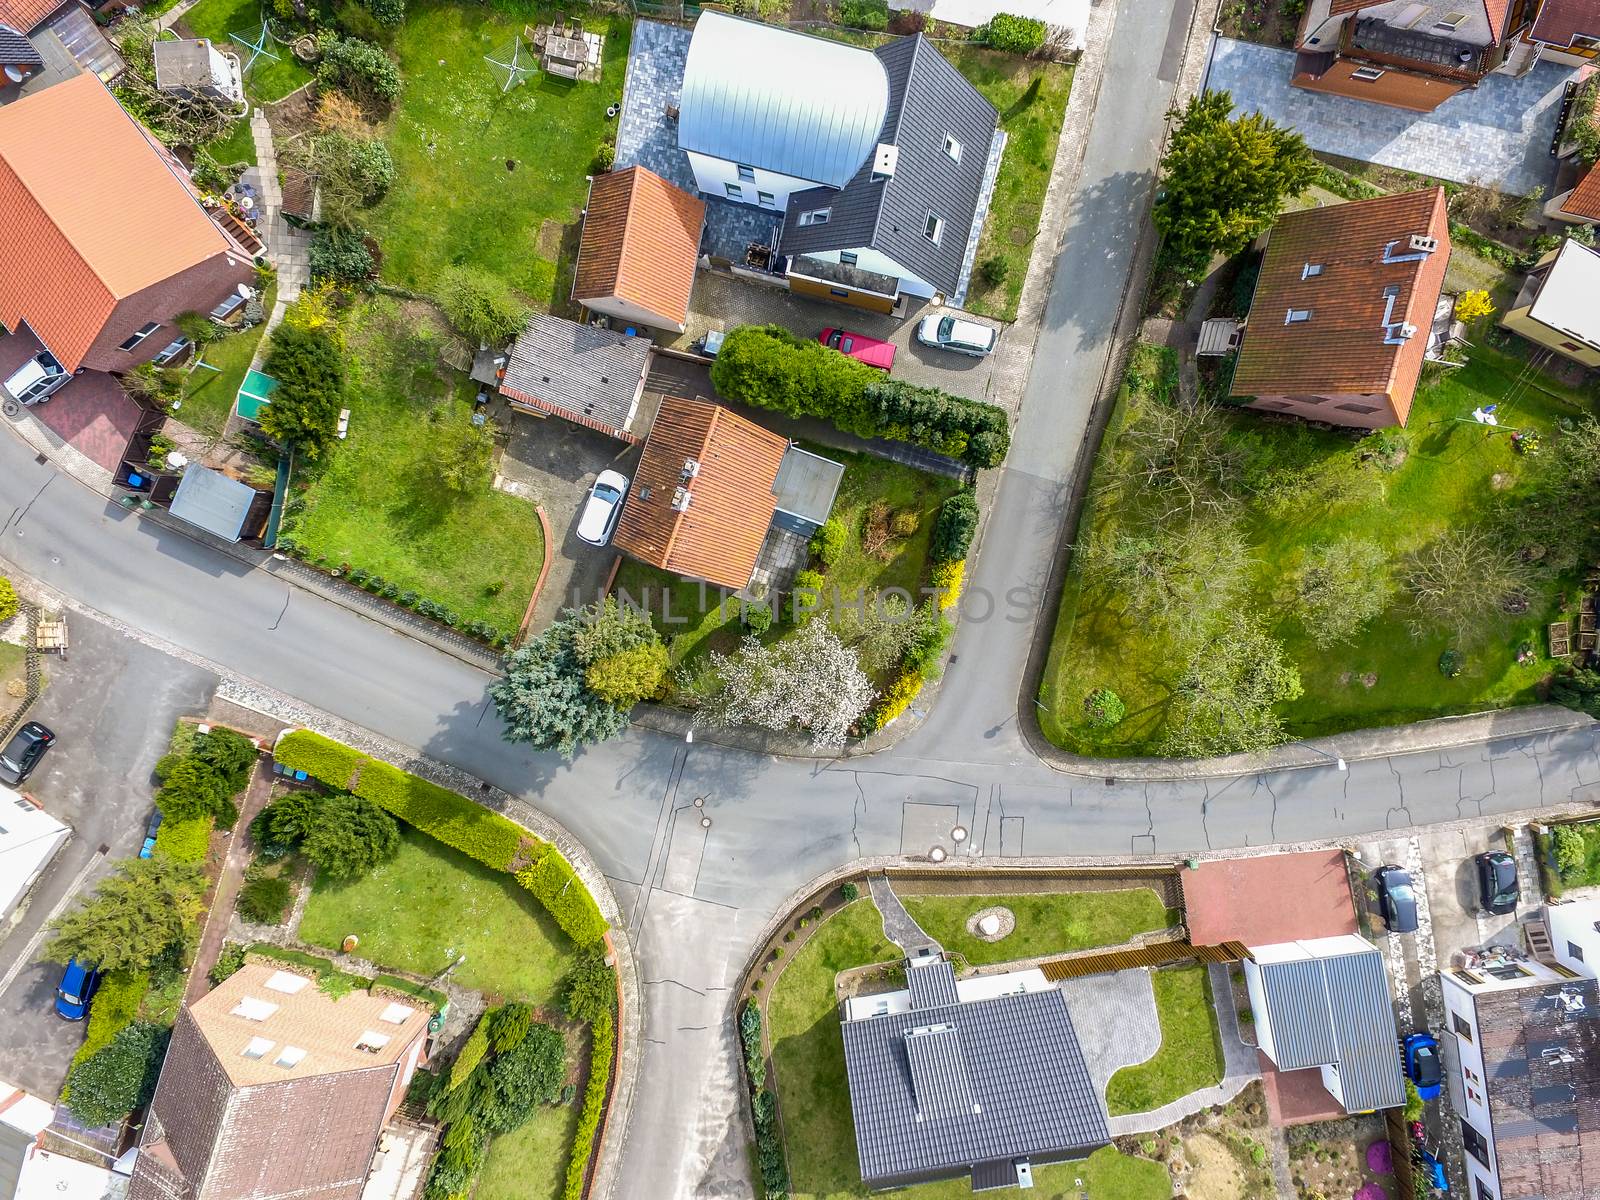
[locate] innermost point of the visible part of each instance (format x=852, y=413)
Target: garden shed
x=211, y=501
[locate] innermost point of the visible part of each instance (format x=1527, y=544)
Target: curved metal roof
x=783, y=101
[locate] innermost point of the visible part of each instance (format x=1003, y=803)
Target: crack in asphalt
x=1272, y=829
x=856, y=812
x=1205, y=809
x=678, y=982
x=1404, y=806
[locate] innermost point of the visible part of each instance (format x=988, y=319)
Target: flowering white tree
x=810, y=680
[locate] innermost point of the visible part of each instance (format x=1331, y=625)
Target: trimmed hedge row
x=603, y=1039
x=112, y=1010
x=458, y=822
x=319, y=968
x=432, y=997
x=184, y=841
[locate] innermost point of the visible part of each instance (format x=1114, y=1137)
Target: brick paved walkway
x=229, y=882
x=289, y=248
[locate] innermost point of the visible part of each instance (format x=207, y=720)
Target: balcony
x=1369, y=38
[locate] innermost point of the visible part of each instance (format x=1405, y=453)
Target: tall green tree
x=136, y=913
x=117, y=1078
x=348, y=836
x=1224, y=178
x=1224, y=700
x=309, y=366
x=544, y=697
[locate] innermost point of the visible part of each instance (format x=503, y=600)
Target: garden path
x=898, y=925
x=289, y=248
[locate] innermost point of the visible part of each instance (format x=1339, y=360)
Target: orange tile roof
x=26, y=15
x=641, y=239
x=718, y=537
x=94, y=213
x=1584, y=199
x=1341, y=348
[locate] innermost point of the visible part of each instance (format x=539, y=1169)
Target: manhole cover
x=12, y=410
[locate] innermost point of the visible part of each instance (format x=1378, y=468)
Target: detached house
x=1344, y=308
x=1566, y=31
x=641, y=240
x=106, y=240
x=879, y=162
x=1412, y=54
x=1559, y=304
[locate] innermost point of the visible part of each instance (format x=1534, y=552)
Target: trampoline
x=255, y=393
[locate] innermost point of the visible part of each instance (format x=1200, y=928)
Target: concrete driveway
x=554, y=462
x=112, y=705
x=1458, y=921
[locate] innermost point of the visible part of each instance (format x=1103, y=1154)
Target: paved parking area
x=722, y=302
x=1452, y=882
x=553, y=462
x=1496, y=135
x=112, y=705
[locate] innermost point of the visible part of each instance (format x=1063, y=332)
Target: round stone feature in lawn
x=992, y=924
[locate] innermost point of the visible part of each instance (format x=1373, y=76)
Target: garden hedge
x=556, y=886
x=443, y=815
x=184, y=841
x=601, y=1044
x=405, y=988
x=768, y=367
x=112, y=1010
x=324, y=759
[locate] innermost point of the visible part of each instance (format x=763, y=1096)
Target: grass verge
x=1047, y=923
x=1190, y=1057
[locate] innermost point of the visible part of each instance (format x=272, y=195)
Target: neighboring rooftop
x=29, y=839
x=1584, y=199
x=705, y=521
x=189, y=63
x=1560, y=21
x=16, y=50
x=787, y=102
x=1546, y=1111
x=589, y=376
x=1345, y=298
x=950, y=1086
x=1262, y=900
x=26, y=15
x=640, y=244
x=1494, y=11
x=1567, y=298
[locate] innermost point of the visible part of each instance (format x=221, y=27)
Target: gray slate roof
x=586, y=374
x=989, y=1079
x=185, y=64
x=932, y=984
x=1338, y=1010
x=928, y=99
x=213, y=502
x=16, y=50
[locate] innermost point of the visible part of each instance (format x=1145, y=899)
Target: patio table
x=567, y=49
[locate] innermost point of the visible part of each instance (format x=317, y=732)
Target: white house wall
x=869, y=259
x=1258, y=1006
x=712, y=175
x=1472, y=1106
x=628, y=311
x=1572, y=925
x=1333, y=1083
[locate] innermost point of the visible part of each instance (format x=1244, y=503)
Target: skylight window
x=952, y=148
x=372, y=1042
x=1297, y=316
x=258, y=1047
x=287, y=982
x=396, y=1014
x=252, y=1009
x=817, y=216
x=933, y=230
x=1311, y=271
x=289, y=1056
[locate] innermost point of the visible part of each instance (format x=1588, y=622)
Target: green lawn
x=808, y=1055
x=1046, y=923
x=376, y=503
x=208, y=395
x=239, y=146
x=431, y=904
x=1033, y=127
x=1448, y=481
x=1191, y=1052
x=531, y=1163
x=239, y=21
x=455, y=200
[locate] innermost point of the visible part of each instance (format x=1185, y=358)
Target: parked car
x=1397, y=899
x=875, y=352
x=602, y=508
x=953, y=333
x=23, y=752
x=1498, y=890
x=150, y=831
x=1421, y=1054
x=79, y=982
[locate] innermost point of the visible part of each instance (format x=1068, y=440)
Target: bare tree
x=1179, y=459
x=1461, y=581
x=1179, y=576
x=1340, y=588
x=1225, y=699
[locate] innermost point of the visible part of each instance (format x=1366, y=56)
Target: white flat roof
x=29, y=839
x=979, y=987
x=1567, y=299
x=1327, y=947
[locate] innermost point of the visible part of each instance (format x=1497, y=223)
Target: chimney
x=680, y=499
x=1423, y=244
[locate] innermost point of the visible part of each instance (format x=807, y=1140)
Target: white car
x=602, y=508
x=952, y=333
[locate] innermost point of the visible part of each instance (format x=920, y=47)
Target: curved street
x=697, y=898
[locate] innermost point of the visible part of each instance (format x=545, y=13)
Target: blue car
x=79, y=982
x=149, y=847
x=1420, y=1052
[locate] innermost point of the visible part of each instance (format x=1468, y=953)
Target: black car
x=23, y=752
x=1498, y=890
x=1397, y=898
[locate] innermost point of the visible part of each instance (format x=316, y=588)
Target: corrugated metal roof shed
x=1363, y=1022
x=1297, y=999
x=211, y=501
x=782, y=101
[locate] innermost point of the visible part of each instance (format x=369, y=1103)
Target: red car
x=870, y=350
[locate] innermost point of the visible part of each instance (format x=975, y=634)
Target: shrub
x=755, y=1063
x=554, y=884
x=1474, y=304
x=829, y=542
x=865, y=14
x=1571, y=852
x=591, y=988
x=481, y=307
x=391, y=14
x=118, y=1078
x=1103, y=708
x=629, y=676
x=896, y=698
x=757, y=618
x=349, y=835
x=1011, y=34
x=509, y=1025
x=8, y=600
x=308, y=363
x=472, y=1053
x=228, y=962
x=849, y=892
x=190, y=788
x=926, y=647
x=265, y=900
x=954, y=530
x=184, y=840
x=443, y=815
x=602, y=1041
x=769, y=1145
x=113, y=1009
x=360, y=69
x=324, y=759
x=904, y=523
x=525, y=1076
x=949, y=577
x=340, y=255
x=994, y=270
x=1451, y=663
x=279, y=827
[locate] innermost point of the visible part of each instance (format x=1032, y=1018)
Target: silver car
x=953, y=333
x=602, y=508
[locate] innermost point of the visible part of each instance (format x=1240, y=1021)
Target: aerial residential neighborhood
x=799, y=599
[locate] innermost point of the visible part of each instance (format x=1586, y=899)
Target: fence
x=33, y=673
x=1156, y=954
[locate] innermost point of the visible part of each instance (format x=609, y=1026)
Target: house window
x=952, y=148
x=372, y=1042
x=1483, y=1191
x=816, y=216
x=839, y=292
x=171, y=351
x=1450, y=22
x=1311, y=271
x=396, y=1014
x=847, y=258
x=257, y=1047
x=1367, y=74
x=748, y=174
x=1462, y=1026
x=735, y=192
x=1297, y=316
x=252, y=1009
x=1575, y=951
x=287, y=982
x=933, y=230
x=144, y=331
x=1474, y=1143
x=766, y=200
x=289, y=1056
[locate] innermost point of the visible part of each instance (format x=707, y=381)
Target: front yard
x=1046, y=922
x=487, y=179
x=808, y=1058
x=377, y=503
x=1190, y=1057
x=1311, y=487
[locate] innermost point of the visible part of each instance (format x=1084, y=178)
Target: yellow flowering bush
x=1472, y=305
x=896, y=699
x=948, y=578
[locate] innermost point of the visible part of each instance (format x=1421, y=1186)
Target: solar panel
x=938, y=1071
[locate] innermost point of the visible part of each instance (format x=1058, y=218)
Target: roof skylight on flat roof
x=258, y=1047
x=371, y=1042
x=252, y=1009
x=289, y=1056
x=396, y=1014
x=287, y=982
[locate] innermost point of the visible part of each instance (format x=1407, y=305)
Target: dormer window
x=748, y=174
x=933, y=230
x=816, y=216
x=1311, y=271
x=735, y=192
x=1297, y=316
x=952, y=148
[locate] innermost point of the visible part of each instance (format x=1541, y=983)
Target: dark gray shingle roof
x=16, y=50
x=931, y=983
x=928, y=99
x=588, y=375
x=1028, y=1090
